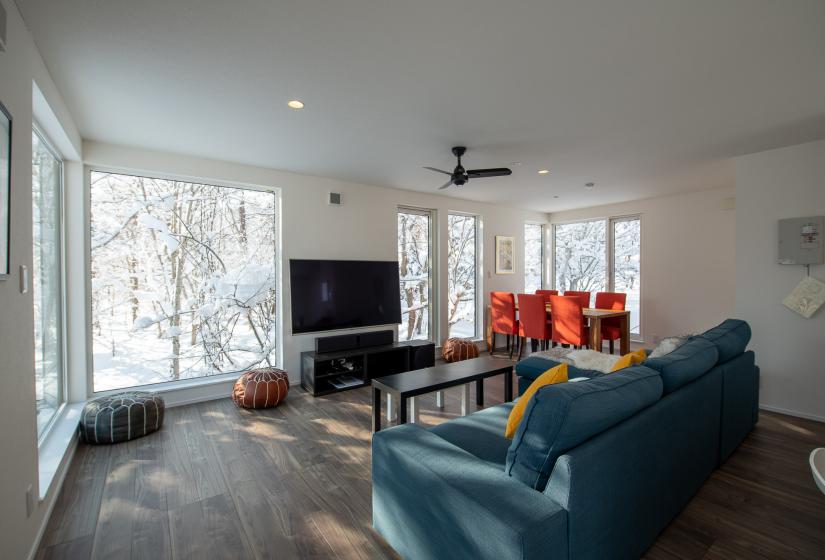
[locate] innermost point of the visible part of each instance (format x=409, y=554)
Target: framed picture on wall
x=5, y=190
x=505, y=254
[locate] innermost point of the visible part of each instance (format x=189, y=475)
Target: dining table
x=594, y=317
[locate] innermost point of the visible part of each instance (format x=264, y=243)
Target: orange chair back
x=547, y=293
x=584, y=297
x=532, y=314
x=568, y=320
x=503, y=313
x=611, y=300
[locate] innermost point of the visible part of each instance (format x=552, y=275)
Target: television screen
x=329, y=295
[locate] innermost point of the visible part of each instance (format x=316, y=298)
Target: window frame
x=432, y=292
x=609, y=256
x=61, y=244
x=544, y=259
x=87, y=256
x=479, y=274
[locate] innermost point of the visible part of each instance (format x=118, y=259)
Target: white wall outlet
x=29, y=501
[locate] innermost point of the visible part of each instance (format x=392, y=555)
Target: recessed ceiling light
x=295, y=104
x=515, y=163
x=589, y=186
x=555, y=196
x=544, y=171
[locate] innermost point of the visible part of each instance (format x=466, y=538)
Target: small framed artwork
x=505, y=255
x=5, y=190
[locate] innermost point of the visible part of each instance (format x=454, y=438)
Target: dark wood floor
x=294, y=482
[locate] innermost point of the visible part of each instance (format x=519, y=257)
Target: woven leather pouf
x=261, y=388
x=121, y=417
x=457, y=349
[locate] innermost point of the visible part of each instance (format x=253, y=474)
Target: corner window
x=533, y=257
x=47, y=280
x=462, y=275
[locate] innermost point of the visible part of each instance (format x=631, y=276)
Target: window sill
x=55, y=446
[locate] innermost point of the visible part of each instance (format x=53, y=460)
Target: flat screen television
x=329, y=295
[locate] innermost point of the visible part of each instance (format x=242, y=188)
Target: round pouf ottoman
x=261, y=388
x=457, y=349
x=121, y=417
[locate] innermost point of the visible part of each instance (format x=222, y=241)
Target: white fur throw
x=583, y=359
x=669, y=344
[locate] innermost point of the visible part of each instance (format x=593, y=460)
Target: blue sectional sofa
x=596, y=469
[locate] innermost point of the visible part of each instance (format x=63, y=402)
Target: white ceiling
x=643, y=97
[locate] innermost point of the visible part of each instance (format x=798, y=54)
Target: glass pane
x=627, y=254
x=532, y=257
x=184, y=280
x=461, y=276
x=414, y=272
x=46, y=288
x=579, y=260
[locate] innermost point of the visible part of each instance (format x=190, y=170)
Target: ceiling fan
x=460, y=176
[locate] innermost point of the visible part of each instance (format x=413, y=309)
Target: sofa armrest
x=431, y=499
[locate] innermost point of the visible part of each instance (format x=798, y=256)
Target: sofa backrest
x=730, y=338
x=560, y=417
x=688, y=362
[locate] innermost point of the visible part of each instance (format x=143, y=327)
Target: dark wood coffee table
x=428, y=380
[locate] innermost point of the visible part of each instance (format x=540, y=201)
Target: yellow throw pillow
x=630, y=359
x=552, y=376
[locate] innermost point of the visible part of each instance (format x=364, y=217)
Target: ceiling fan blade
x=493, y=172
x=438, y=170
x=445, y=185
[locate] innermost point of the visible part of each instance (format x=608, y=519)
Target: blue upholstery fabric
x=481, y=434
x=432, y=500
x=688, y=362
x=622, y=487
x=561, y=416
x=740, y=396
x=730, y=338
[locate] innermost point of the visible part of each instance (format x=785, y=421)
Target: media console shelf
x=323, y=373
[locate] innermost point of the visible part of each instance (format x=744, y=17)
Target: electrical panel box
x=800, y=240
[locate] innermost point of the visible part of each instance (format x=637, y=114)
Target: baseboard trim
x=58, y=487
x=780, y=410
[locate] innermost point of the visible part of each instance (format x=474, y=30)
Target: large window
x=580, y=262
x=415, y=271
x=599, y=255
x=47, y=289
x=184, y=279
x=533, y=257
x=462, y=250
x=626, y=265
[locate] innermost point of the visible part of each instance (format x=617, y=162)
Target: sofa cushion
x=552, y=376
x=559, y=417
x=688, y=362
x=480, y=434
x=730, y=338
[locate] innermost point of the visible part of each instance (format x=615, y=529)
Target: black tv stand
x=323, y=373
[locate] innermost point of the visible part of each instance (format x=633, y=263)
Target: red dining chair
x=612, y=326
x=547, y=292
x=568, y=321
x=503, y=318
x=532, y=312
x=583, y=296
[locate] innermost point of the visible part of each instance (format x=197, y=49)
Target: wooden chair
x=611, y=327
x=532, y=310
x=503, y=318
x=568, y=321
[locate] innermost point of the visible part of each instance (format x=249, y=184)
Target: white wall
x=20, y=65
x=688, y=262
x=365, y=227
x=784, y=183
